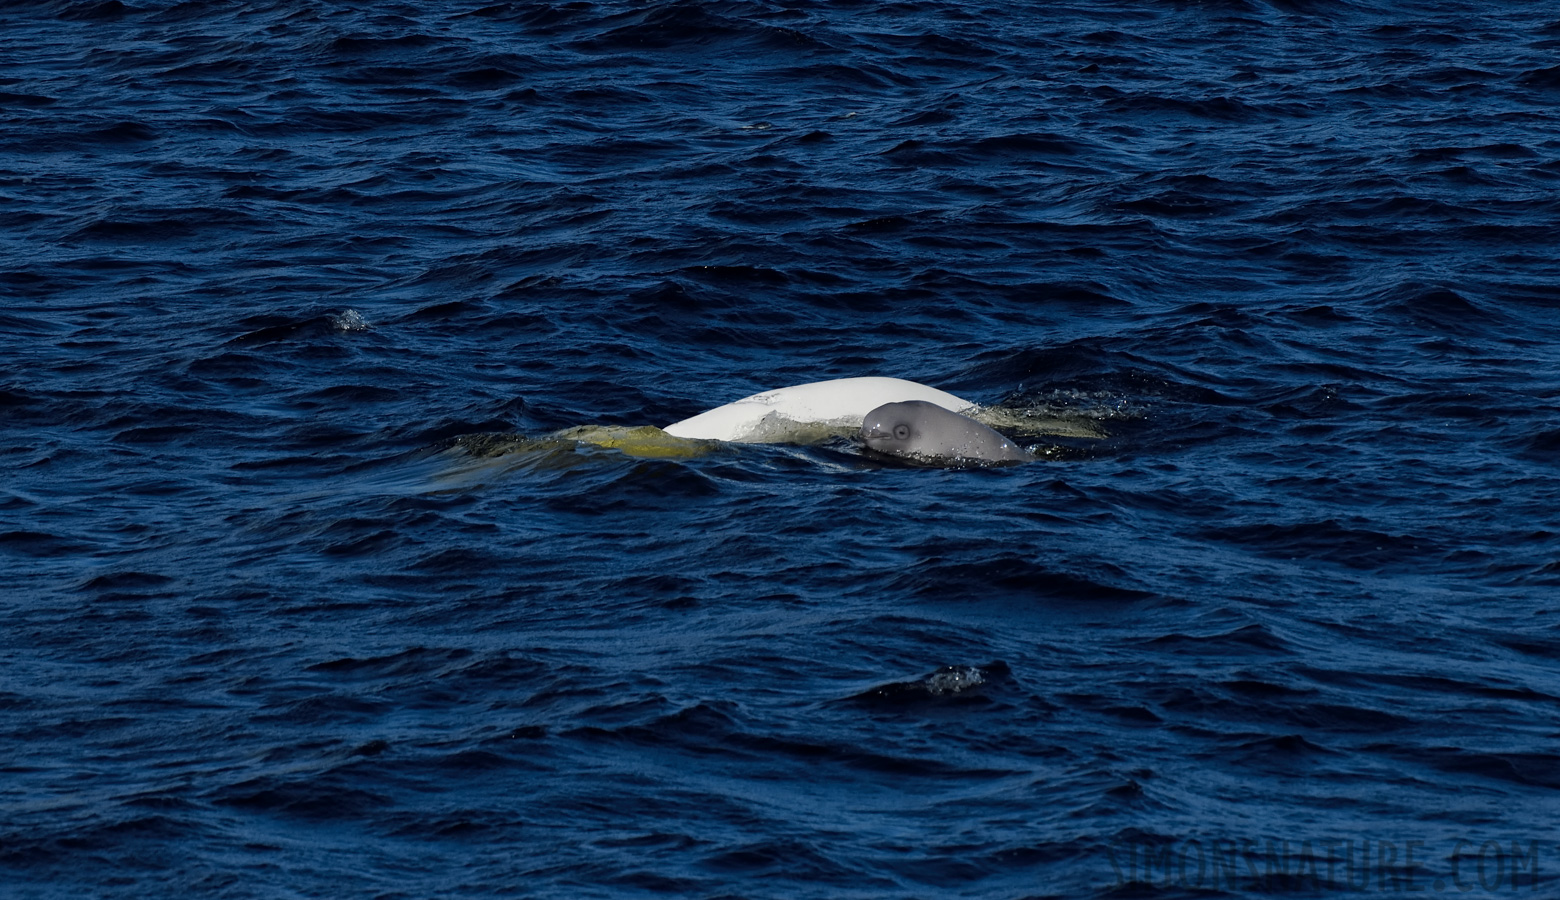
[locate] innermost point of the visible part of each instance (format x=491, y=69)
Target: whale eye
x=901, y=432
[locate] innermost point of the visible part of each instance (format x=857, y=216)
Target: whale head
x=925, y=431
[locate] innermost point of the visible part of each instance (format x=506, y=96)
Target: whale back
x=921, y=430
x=841, y=403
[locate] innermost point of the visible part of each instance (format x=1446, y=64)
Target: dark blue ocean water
x=274, y=624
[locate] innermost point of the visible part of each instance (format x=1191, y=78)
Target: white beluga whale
x=931, y=433
x=781, y=415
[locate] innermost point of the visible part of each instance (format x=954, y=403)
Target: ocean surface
x=313, y=582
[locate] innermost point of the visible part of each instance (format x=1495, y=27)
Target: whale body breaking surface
x=768, y=416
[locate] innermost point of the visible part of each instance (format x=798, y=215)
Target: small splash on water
x=954, y=679
x=1093, y=404
x=1040, y=420
x=948, y=681
x=350, y=320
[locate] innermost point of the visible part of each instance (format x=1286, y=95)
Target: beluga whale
x=890, y=417
x=786, y=414
x=926, y=432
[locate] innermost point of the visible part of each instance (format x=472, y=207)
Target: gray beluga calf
x=924, y=430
